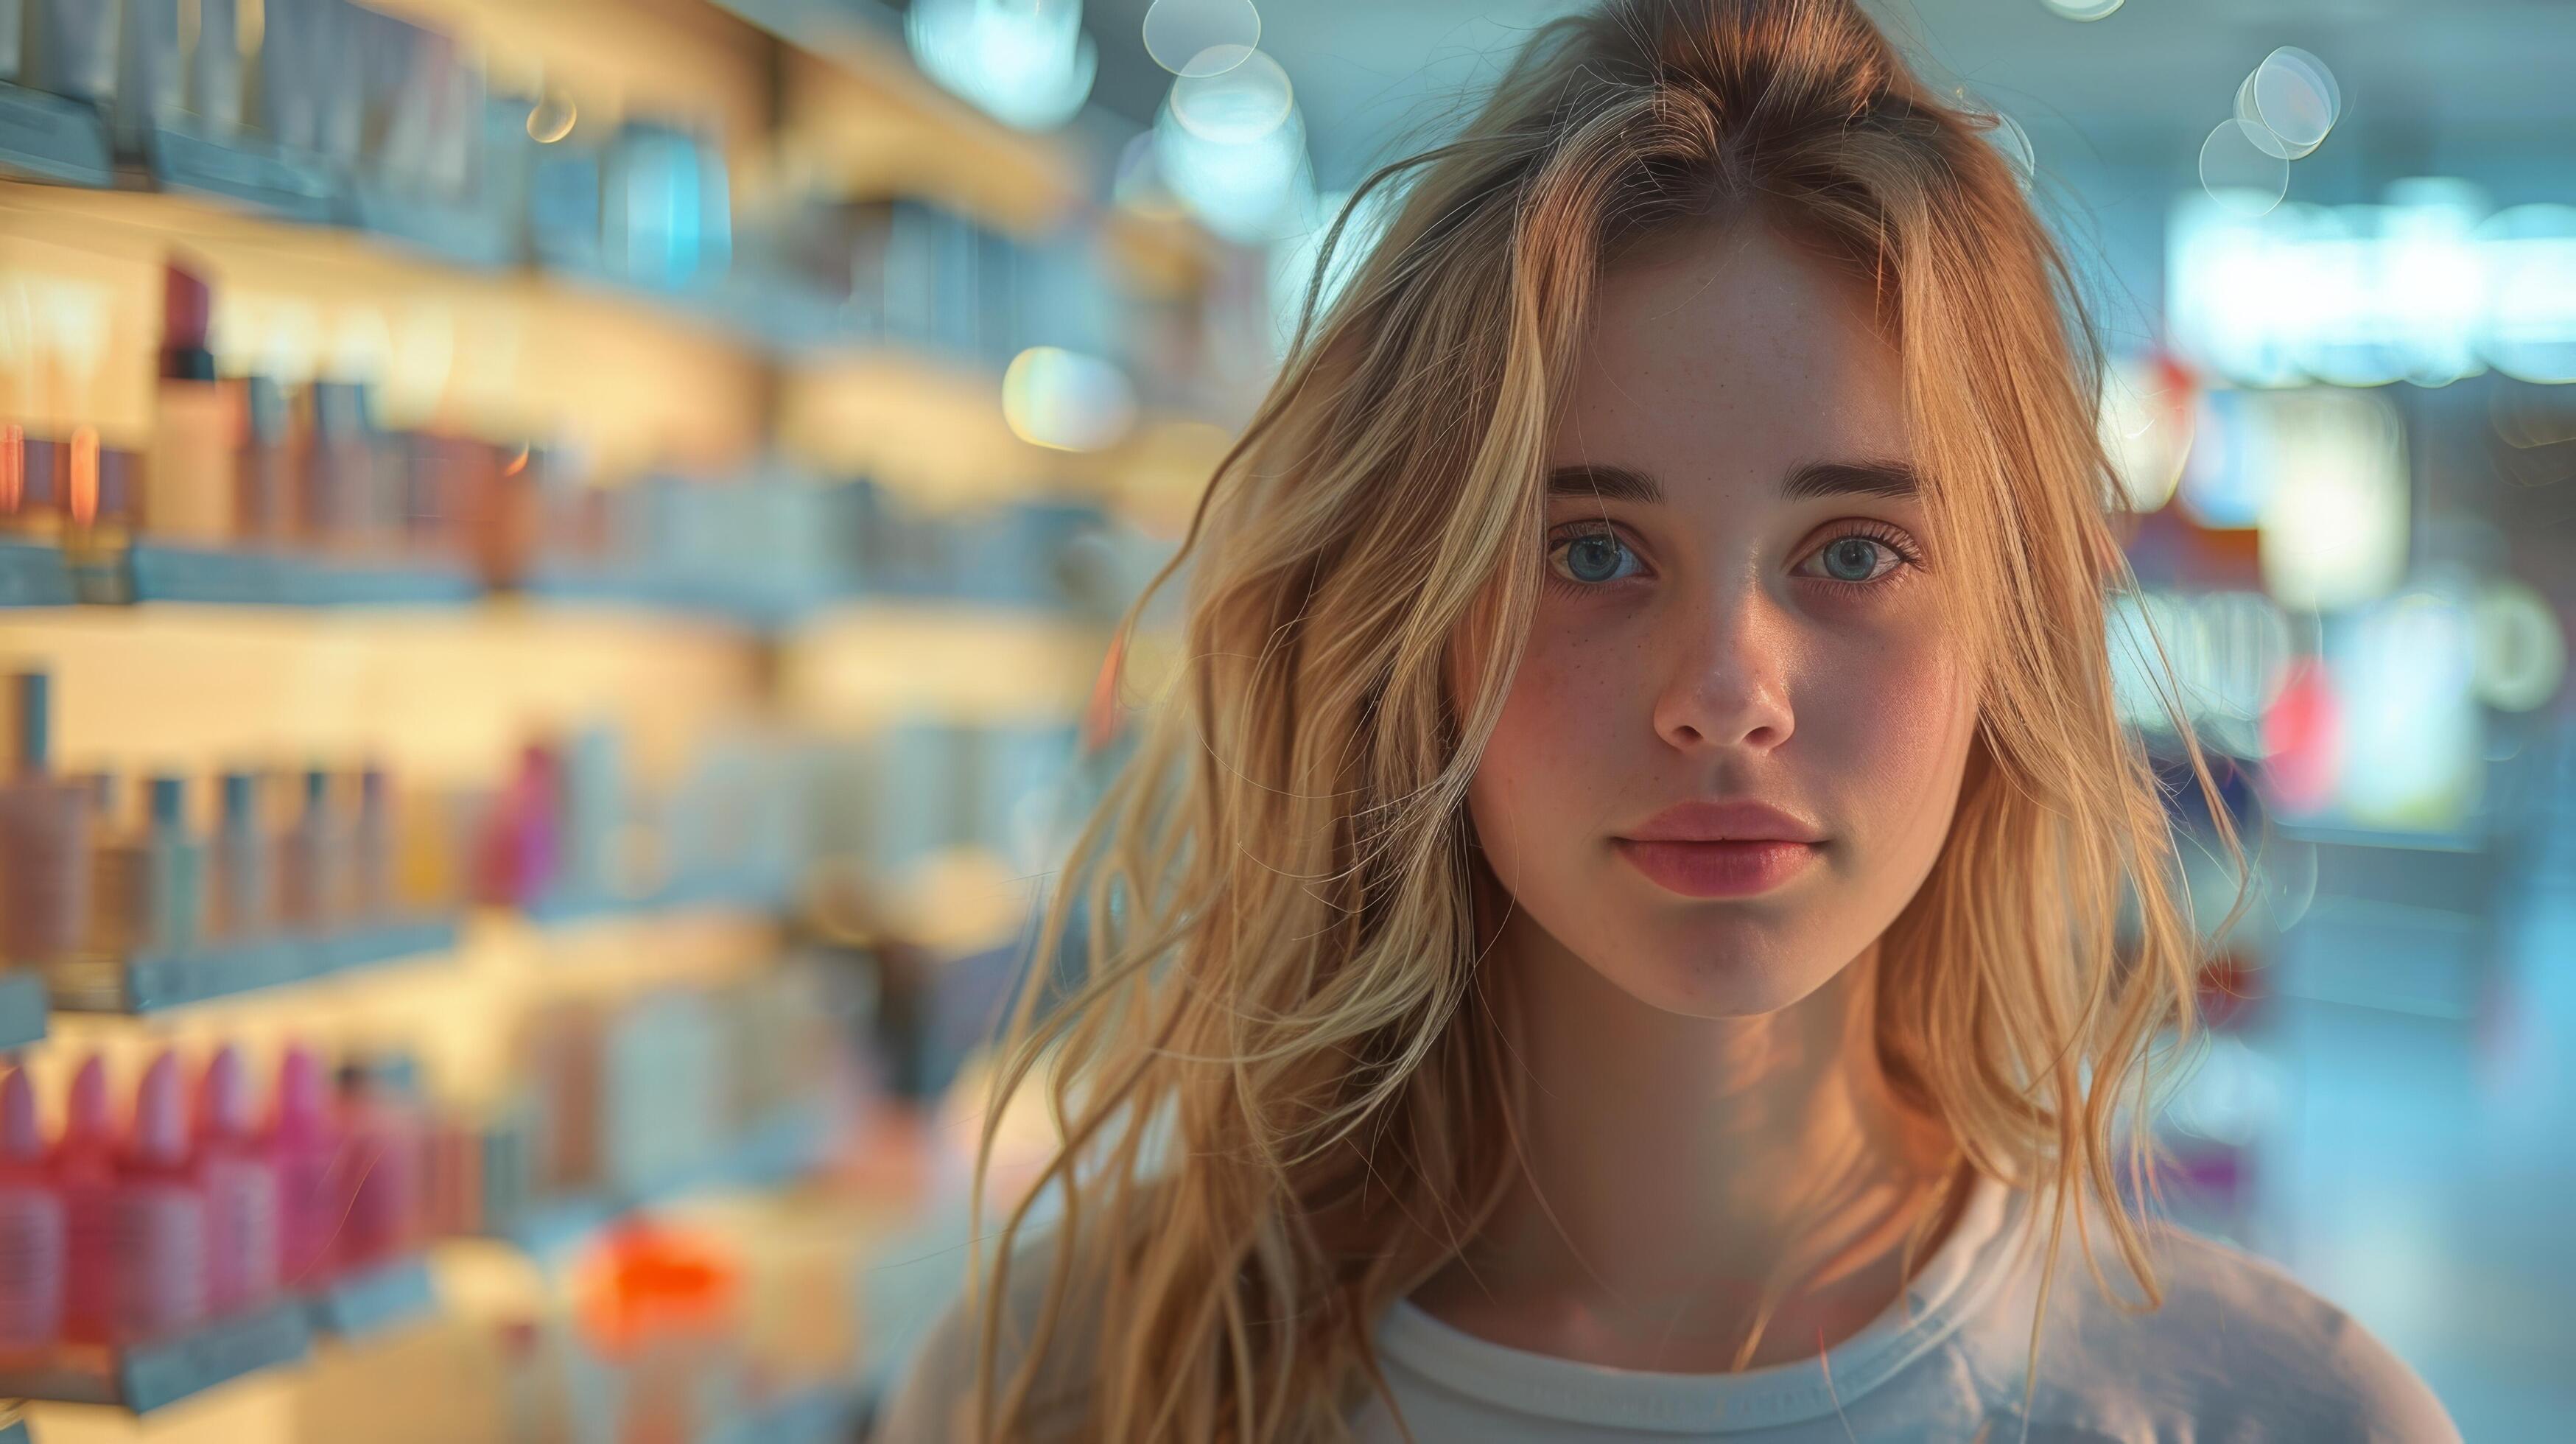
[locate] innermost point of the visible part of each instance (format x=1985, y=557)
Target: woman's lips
x=1720, y=869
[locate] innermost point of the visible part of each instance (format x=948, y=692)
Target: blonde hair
x=1286, y=908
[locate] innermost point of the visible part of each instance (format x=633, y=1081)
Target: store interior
x=568, y=571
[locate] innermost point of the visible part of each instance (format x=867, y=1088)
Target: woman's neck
x=1701, y=1194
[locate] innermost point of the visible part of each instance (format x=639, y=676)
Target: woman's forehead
x=1740, y=354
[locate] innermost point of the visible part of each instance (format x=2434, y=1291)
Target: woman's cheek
x=1901, y=718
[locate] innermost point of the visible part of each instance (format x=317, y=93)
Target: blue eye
x=1852, y=559
x=1856, y=559
x=1592, y=558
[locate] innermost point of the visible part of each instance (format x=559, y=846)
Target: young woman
x=1638, y=916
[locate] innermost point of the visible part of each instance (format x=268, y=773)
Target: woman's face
x=1733, y=747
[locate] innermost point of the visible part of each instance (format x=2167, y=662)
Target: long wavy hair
x=1282, y=1084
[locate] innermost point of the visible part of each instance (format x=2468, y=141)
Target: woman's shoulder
x=927, y=1403
x=2238, y=1347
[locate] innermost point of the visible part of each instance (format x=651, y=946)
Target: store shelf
x=145, y=1377
x=52, y=139
x=770, y=1154
x=150, y=984
x=34, y=575
x=251, y=578
x=242, y=168
x=374, y=1300
x=22, y=1007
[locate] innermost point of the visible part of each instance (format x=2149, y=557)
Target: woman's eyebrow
x=1819, y=479
x=1608, y=483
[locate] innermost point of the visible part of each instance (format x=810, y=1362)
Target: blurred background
x=557, y=569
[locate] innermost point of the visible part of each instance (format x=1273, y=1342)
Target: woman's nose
x=1727, y=684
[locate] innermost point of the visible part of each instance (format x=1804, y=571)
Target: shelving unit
x=234, y=654
x=151, y=984
x=154, y=1376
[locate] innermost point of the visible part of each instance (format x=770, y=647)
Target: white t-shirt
x=2238, y=1352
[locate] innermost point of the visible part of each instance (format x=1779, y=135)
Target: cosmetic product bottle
x=264, y=471
x=340, y=483
x=34, y=504
x=13, y=469
x=99, y=521
x=174, y=919
x=428, y=847
x=380, y=1130
x=120, y=887
x=33, y=1242
x=313, y=862
x=149, y=85
x=372, y=900
x=339, y=94
x=519, y=860
x=84, y=1172
x=243, y=892
x=71, y=48
x=44, y=841
x=189, y=492
x=215, y=68
x=285, y=75
x=243, y=1228
x=304, y=1142
x=564, y=1058
x=159, y=1269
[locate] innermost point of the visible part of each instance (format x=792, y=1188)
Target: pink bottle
x=31, y=1227
x=84, y=1170
x=383, y=1138
x=304, y=1144
x=242, y=1227
x=159, y=1266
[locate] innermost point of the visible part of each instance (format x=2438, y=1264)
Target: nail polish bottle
x=84, y=1170
x=244, y=893
x=243, y=1228
x=44, y=842
x=304, y=1143
x=32, y=1238
x=159, y=1211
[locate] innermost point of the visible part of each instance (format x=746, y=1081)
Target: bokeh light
x=2521, y=648
x=552, y=117
x=1065, y=400
x=1026, y=63
x=1257, y=191
x=1234, y=106
x=1194, y=38
x=2335, y=518
x=2239, y=173
x=2412, y=739
x=2081, y=9
x=2289, y=103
